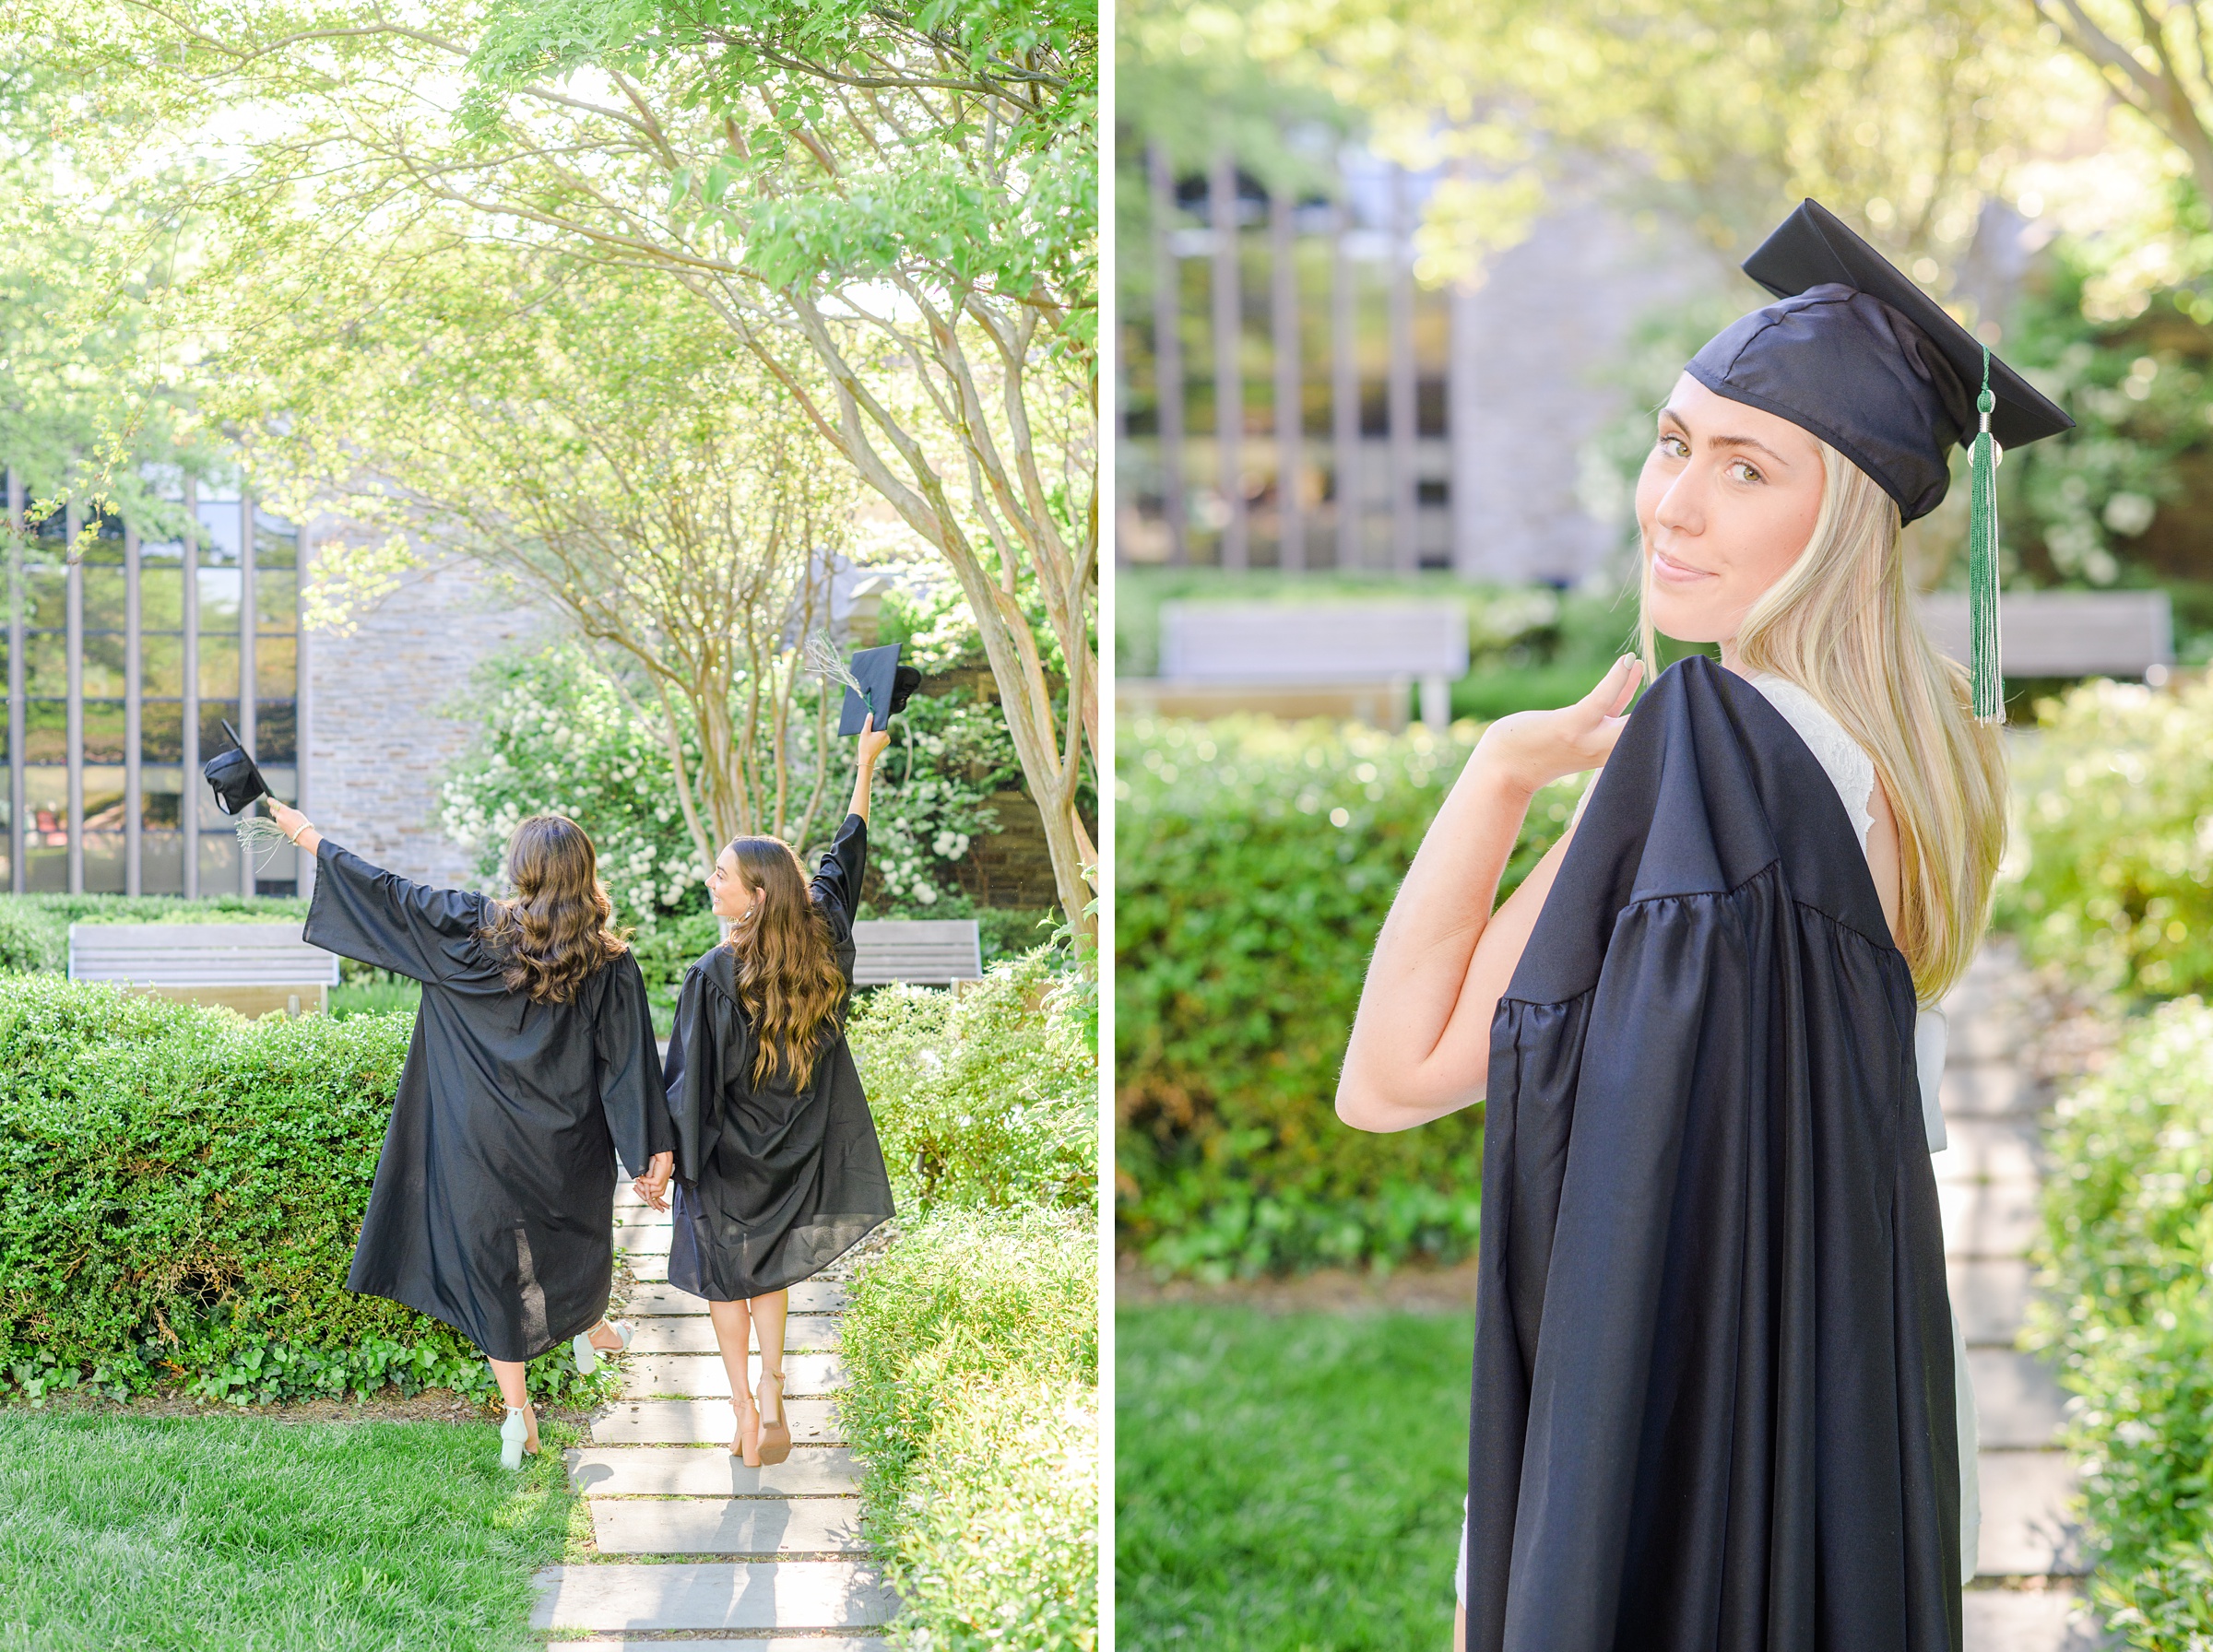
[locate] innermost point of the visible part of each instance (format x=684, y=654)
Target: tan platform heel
x=775, y=1437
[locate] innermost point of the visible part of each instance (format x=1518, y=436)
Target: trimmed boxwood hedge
x=1255, y=861
x=180, y=1192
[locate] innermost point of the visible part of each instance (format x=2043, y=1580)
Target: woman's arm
x=1420, y=1045
x=873, y=742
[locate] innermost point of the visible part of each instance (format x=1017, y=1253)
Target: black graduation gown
x=772, y=1185
x=493, y=1207
x=1713, y=1405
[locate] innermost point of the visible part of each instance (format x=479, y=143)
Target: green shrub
x=1255, y=863
x=989, y=1097
x=2128, y=1244
x=2112, y=873
x=971, y=1353
x=180, y=1192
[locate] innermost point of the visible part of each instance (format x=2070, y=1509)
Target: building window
x=121, y=672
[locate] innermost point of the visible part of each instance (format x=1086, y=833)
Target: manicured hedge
x=180, y=1191
x=2111, y=874
x=1255, y=861
x=972, y=1358
x=2128, y=1244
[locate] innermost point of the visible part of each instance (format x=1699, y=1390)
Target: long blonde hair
x=787, y=974
x=1841, y=623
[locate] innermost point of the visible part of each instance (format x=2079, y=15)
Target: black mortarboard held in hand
x=236, y=781
x=1861, y=356
x=886, y=686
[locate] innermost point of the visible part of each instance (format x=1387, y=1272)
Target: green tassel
x=1983, y=672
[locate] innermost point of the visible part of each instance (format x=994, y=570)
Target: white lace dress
x=1852, y=772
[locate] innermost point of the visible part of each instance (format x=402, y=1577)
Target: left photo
x=549, y=886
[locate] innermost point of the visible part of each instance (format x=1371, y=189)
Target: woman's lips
x=1675, y=574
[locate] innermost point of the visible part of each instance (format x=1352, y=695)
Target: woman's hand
x=653, y=1187
x=1532, y=749
x=873, y=741
x=294, y=825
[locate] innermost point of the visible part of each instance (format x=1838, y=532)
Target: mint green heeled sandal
x=587, y=1357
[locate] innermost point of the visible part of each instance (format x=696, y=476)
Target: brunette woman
x=778, y=1172
x=532, y=1066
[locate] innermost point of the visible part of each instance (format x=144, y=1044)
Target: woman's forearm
x=863, y=777
x=1420, y=1043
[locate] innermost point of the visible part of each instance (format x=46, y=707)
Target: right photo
x=1663, y=842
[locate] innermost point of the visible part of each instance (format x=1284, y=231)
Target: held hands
x=1530, y=749
x=653, y=1187
x=873, y=741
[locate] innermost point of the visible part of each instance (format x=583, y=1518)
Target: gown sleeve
x=836, y=886
x=630, y=1073
x=692, y=1074
x=381, y=918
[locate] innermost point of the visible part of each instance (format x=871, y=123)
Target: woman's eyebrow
x=1671, y=417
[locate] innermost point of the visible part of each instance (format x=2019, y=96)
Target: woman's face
x=1726, y=502
x=728, y=894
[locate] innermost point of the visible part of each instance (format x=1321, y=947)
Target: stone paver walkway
x=773, y=1555
x=2027, y=1592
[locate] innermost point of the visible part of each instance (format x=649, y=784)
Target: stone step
x=658, y=1296
x=783, y=1595
x=641, y=1239
x=695, y=1334
x=746, y=1526
x=813, y=1642
x=1990, y=1150
x=705, y=1376
x=2027, y=1530
x=2018, y=1404
x=1990, y=1298
x=705, y=1422
x=1991, y=1089
x=711, y=1471
x=1989, y=1219
x=2001, y=1620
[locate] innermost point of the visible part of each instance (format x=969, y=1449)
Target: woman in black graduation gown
x=1717, y=1404
x=532, y=1066
x=778, y=1172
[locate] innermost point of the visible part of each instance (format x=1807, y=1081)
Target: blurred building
x=1292, y=399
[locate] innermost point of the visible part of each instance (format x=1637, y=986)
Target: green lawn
x=1287, y=1482
x=225, y=1533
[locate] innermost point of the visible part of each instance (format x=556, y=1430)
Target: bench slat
x=1311, y=643
x=924, y=951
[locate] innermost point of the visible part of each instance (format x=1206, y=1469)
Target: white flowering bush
x=556, y=737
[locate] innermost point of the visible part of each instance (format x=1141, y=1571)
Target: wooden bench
x=2065, y=633
x=256, y=969
x=926, y=952
x=1278, y=656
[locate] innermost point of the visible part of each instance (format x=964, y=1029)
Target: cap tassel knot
x=1984, y=677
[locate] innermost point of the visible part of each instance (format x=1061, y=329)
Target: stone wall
x=378, y=733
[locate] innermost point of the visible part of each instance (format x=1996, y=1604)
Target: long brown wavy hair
x=557, y=927
x=788, y=982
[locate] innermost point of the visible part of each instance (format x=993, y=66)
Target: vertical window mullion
x=134, y=694
x=248, y=623
x=75, y=605
x=188, y=811
x=15, y=506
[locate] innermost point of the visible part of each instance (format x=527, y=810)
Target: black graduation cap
x=232, y=773
x=1857, y=354
x=1863, y=358
x=887, y=687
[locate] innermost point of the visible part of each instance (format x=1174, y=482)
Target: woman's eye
x=1744, y=472
x=1673, y=445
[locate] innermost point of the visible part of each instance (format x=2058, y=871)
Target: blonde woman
x=1720, y=1400
x=778, y=1171
x=532, y=1069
